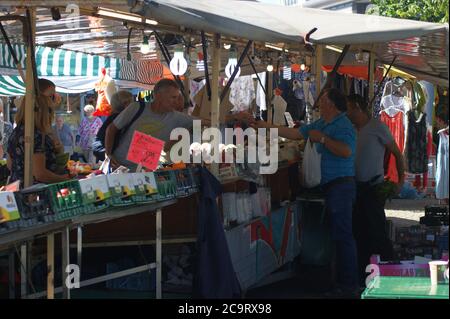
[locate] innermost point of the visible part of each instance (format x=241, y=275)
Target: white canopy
x=421, y=48
x=238, y=18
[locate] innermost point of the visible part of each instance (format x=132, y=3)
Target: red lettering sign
x=145, y=150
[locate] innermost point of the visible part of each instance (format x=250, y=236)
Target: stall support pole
x=12, y=276
x=79, y=246
x=29, y=106
x=158, y=253
x=371, y=76
x=51, y=266
x=318, y=68
x=215, y=95
x=269, y=96
x=23, y=270
x=186, y=84
x=65, y=249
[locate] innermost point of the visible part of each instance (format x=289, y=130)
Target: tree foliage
x=422, y=10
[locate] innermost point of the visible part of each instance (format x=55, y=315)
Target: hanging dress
x=442, y=167
x=416, y=144
x=396, y=126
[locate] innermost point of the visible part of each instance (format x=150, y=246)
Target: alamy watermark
x=73, y=276
x=207, y=146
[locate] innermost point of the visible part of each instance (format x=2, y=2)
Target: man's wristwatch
x=322, y=140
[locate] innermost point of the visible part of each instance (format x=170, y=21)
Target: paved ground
x=404, y=212
x=312, y=281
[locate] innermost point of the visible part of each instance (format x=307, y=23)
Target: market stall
x=270, y=233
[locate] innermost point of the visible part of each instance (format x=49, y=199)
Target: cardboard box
x=145, y=183
x=95, y=189
x=9, y=210
x=121, y=185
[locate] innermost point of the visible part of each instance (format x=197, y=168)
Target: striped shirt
x=339, y=129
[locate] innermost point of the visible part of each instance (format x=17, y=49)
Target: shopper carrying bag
x=311, y=165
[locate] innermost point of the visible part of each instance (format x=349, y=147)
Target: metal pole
x=51, y=266
x=205, y=61
x=269, y=96
x=65, y=249
x=23, y=270
x=238, y=65
x=215, y=102
x=79, y=246
x=29, y=103
x=329, y=83
x=382, y=81
x=256, y=73
x=371, y=75
x=12, y=52
x=158, y=253
x=12, y=273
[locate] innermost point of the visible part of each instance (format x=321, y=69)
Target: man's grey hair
x=163, y=84
x=120, y=100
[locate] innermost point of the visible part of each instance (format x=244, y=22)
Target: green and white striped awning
x=57, y=62
x=11, y=85
x=72, y=72
x=75, y=72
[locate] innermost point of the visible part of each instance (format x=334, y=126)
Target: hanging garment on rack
x=260, y=95
x=421, y=181
x=416, y=144
x=279, y=107
x=442, y=167
x=396, y=126
x=428, y=89
x=377, y=102
x=242, y=93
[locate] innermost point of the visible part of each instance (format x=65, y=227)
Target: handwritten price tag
x=145, y=150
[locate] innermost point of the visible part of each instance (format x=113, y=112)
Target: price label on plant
x=145, y=150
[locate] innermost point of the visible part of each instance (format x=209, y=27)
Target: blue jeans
x=339, y=200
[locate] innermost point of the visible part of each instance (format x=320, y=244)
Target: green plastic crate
x=404, y=288
x=66, y=200
x=167, y=184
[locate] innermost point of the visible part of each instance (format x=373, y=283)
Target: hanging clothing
x=416, y=144
x=377, y=102
x=242, y=93
x=279, y=107
x=260, y=95
x=396, y=126
x=442, y=167
x=214, y=276
x=428, y=89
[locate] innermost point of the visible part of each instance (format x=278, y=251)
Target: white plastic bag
x=311, y=165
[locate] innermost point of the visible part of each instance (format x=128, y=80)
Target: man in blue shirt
x=337, y=139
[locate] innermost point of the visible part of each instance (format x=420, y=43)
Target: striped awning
x=13, y=84
x=75, y=72
x=57, y=62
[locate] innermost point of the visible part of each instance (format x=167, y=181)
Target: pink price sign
x=145, y=150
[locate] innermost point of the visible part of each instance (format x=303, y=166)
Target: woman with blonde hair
x=44, y=154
